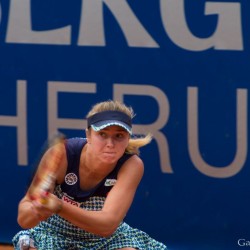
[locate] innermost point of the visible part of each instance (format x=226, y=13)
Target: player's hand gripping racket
x=44, y=179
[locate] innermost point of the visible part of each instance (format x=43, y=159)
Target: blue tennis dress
x=57, y=233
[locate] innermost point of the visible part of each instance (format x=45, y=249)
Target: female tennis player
x=92, y=189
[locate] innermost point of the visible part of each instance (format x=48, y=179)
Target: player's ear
x=88, y=134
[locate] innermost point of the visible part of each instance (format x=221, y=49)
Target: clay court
x=6, y=247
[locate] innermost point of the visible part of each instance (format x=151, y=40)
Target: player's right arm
x=31, y=211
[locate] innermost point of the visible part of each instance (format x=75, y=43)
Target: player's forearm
x=30, y=213
x=97, y=222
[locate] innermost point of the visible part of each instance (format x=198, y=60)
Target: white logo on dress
x=110, y=182
x=71, y=178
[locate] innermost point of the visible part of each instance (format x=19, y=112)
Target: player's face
x=109, y=144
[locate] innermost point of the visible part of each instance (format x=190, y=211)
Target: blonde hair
x=134, y=143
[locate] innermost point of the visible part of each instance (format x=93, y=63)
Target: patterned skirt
x=58, y=234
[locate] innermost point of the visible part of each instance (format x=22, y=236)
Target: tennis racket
x=44, y=178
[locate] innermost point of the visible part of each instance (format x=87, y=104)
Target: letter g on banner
x=227, y=35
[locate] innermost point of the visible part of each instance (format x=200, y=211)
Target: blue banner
x=184, y=68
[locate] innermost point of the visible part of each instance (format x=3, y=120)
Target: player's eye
x=103, y=134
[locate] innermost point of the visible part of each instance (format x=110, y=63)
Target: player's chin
x=110, y=158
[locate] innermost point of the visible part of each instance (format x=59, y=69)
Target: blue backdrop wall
x=184, y=68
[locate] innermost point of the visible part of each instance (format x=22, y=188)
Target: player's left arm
x=116, y=206
x=122, y=194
